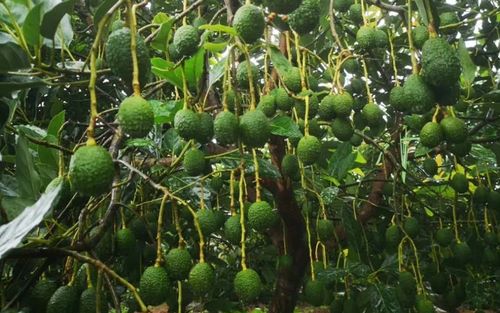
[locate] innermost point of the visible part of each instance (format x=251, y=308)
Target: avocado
x=494, y=200
x=232, y=229
x=462, y=252
x=424, y=305
x=205, y=127
x=481, y=194
x=372, y=114
x=459, y=183
x=342, y=129
x=460, y=149
x=306, y=17
x=267, y=105
x=392, y=236
x=91, y=170
x=290, y=166
x=254, y=129
x=186, y=124
x=178, y=263
x=154, y=285
x=355, y=13
x=314, y=292
x=381, y=39
x=447, y=21
x=226, y=128
x=88, y=301
x=283, y=101
x=420, y=34
x=300, y=105
x=411, y=226
x=208, y=221
x=444, y=237
x=326, y=109
x=292, y=80
x=194, y=162
x=431, y=135
x=397, y=99
x=282, y=6
x=440, y=63
x=119, y=57
x=186, y=40
x=366, y=36
x=261, y=216
x=242, y=75
x=249, y=23
x=325, y=230
x=454, y=129
x=64, y=299
x=418, y=97
x=201, y=279
x=125, y=242
x=308, y=149
x=136, y=116
x=343, y=104
x=247, y=285
x=40, y=295
x=430, y=167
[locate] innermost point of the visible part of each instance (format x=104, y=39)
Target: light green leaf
x=215, y=47
x=167, y=70
x=161, y=39
x=27, y=178
x=279, y=61
x=165, y=111
x=468, y=66
x=194, y=68
x=219, y=28
x=285, y=127
x=216, y=72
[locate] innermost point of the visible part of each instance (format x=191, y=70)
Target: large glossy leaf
x=284, y=126
x=53, y=17
x=12, y=56
x=342, y=160
x=165, y=111
x=49, y=156
x=12, y=233
x=31, y=26
x=194, y=68
x=386, y=300
x=27, y=178
x=167, y=70
x=161, y=39
x=468, y=66
x=279, y=61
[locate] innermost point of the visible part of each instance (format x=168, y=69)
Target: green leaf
x=12, y=233
x=8, y=87
x=215, y=47
x=194, y=68
x=27, y=178
x=102, y=10
x=161, y=39
x=216, y=72
x=56, y=123
x=285, y=127
x=386, y=301
x=140, y=143
x=280, y=62
x=4, y=114
x=219, y=28
x=49, y=156
x=53, y=17
x=165, y=111
x=343, y=159
x=31, y=26
x=468, y=66
x=422, y=12
x=167, y=70
x=12, y=56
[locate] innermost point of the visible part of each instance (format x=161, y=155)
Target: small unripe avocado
x=267, y=105
x=282, y=6
x=308, y=149
x=407, y=282
x=300, y=105
x=306, y=17
x=448, y=18
x=342, y=129
x=431, y=135
x=40, y=295
x=247, y=285
x=261, y=216
x=444, y=237
x=186, y=40
x=392, y=236
x=381, y=39
x=249, y=23
x=91, y=170
x=343, y=104
x=232, y=229
x=314, y=292
x=494, y=200
x=325, y=230
x=459, y=183
x=154, y=285
x=178, y=263
x=186, y=124
x=136, y=116
x=208, y=221
x=397, y=99
x=283, y=101
x=125, y=242
x=454, y=129
x=292, y=80
x=356, y=13
x=481, y=194
x=64, y=299
x=226, y=128
x=342, y=5
x=290, y=166
x=424, y=305
x=205, y=127
x=254, y=128
x=372, y=114
x=366, y=37
x=201, y=279
x=88, y=301
x=420, y=35
x=460, y=149
x=411, y=226
x=242, y=76
x=462, y=252
x=430, y=167
x=326, y=108
x=194, y=162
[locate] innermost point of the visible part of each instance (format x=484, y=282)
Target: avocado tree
x=221, y=156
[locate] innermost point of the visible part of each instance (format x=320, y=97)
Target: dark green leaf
x=342, y=160
x=280, y=62
x=6, y=88
x=53, y=17
x=27, y=177
x=12, y=56
x=4, y=114
x=161, y=39
x=284, y=126
x=468, y=66
x=31, y=26
x=194, y=68
x=102, y=10
x=386, y=300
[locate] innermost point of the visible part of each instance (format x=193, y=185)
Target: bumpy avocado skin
x=454, y=129
x=306, y=17
x=261, y=216
x=186, y=40
x=420, y=35
x=194, y=162
x=205, y=127
x=88, y=301
x=342, y=129
x=247, y=285
x=186, y=124
x=431, y=135
x=397, y=99
x=136, y=116
x=201, y=279
x=314, y=292
x=308, y=149
x=178, y=263
x=154, y=285
x=249, y=23
x=366, y=37
x=418, y=96
x=91, y=170
x=64, y=299
x=440, y=63
x=242, y=75
x=283, y=101
x=290, y=166
x=372, y=114
x=254, y=129
x=267, y=105
x=119, y=57
x=292, y=80
x=232, y=229
x=226, y=128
